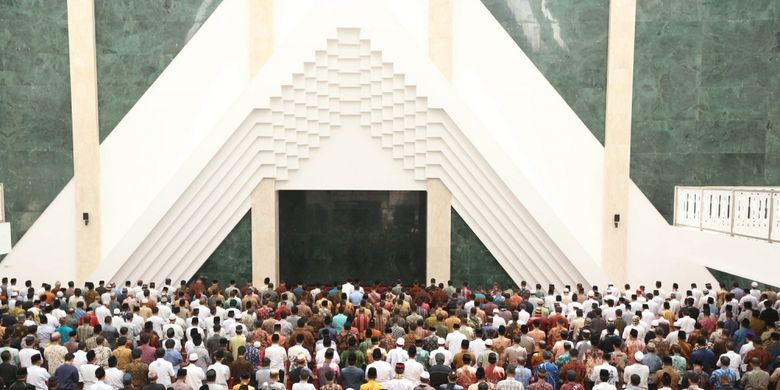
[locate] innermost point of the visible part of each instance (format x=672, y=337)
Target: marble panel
x=567, y=41
x=135, y=41
x=470, y=260
x=232, y=260
x=35, y=126
x=705, y=96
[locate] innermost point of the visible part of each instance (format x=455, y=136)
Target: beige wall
x=617, y=142
x=86, y=138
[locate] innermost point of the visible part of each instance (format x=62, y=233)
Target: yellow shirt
x=370, y=385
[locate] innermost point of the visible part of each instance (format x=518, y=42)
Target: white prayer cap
x=489, y=342
x=639, y=356
x=425, y=375
x=400, y=342
x=440, y=341
x=754, y=284
x=193, y=357
x=591, y=293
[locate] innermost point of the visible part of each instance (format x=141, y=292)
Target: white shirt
x=87, y=375
x=613, y=373
x=686, y=324
x=604, y=386
x=114, y=378
x=397, y=355
x=25, y=356
x=384, y=371
x=399, y=384
x=164, y=370
x=38, y=377
x=453, y=341
x=303, y=386
x=296, y=350
x=319, y=356
x=100, y=385
x=195, y=376
x=412, y=371
x=440, y=350
x=223, y=372
x=638, y=369
x=277, y=355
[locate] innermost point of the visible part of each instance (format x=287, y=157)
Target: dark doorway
x=327, y=236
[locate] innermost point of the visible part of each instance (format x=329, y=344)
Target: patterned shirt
x=724, y=371
x=55, y=356
x=509, y=384
x=540, y=385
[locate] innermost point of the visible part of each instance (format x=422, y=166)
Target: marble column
x=86, y=136
x=617, y=138
x=265, y=236
x=440, y=23
x=265, y=214
x=438, y=232
x=261, y=29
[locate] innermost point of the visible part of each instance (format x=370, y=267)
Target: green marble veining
x=35, y=120
x=232, y=260
x=567, y=41
x=705, y=106
x=136, y=40
x=470, y=260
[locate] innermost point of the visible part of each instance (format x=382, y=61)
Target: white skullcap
x=639, y=356
x=489, y=342
x=754, y=284
x=425, y=375
x=193, y=357
x=440, y=341
x=400, y=342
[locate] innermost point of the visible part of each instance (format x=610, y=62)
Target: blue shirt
x=723, y=371
x=552, y=373
x=67, y=377
x=523, y=375
x=174, y=357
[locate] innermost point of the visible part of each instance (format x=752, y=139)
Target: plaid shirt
x=509, y=384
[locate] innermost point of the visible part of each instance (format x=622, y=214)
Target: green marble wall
x=567, y=41
x=36, y=158
x=327, y=236
x=232, y=260
x=136, y=40
x=706, y=87
x=470, y=260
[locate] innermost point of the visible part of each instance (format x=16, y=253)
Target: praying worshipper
x=495, y=336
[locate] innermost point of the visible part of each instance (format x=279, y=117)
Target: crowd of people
x=204, y=336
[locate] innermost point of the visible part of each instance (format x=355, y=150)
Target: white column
x=265, y=237
x=438, y=232
x=617, y=140
x=86, y=135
